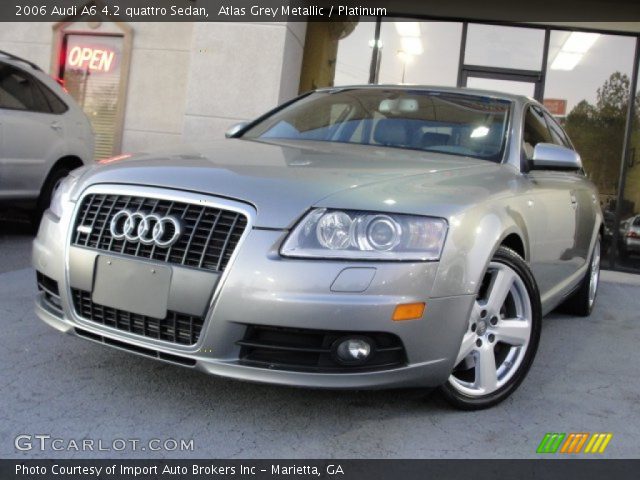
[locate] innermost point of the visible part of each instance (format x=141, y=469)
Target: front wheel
x=502, y=336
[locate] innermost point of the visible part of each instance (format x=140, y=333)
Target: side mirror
x=234, y=129
x=547, y=156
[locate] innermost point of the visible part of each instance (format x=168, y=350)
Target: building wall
x=189, y=81
x=238, y=71
x=159, y=72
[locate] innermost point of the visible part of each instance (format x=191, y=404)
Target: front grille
x=311, y=350
x=175, y=327
x=188, y=362
x=209, y=235
x=50, y=288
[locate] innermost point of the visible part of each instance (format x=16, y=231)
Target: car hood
x=282, y=180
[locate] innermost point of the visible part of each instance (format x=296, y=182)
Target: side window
x=535, y=131
x=557, y=134
x=19, y=92
x=55, y=103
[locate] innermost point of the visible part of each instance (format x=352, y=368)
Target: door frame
x=495, y=73
x=538, y=77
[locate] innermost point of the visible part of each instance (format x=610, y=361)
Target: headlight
x=61, y=194
x=356, y=235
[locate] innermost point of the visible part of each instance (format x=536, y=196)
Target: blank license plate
x=132, y=286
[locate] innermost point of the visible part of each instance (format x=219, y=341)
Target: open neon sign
x=93, y=59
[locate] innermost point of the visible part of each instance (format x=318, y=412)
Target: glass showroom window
x=588, y=85
x=419, y=52
x=504, y=47
x=629, y=226
x=353, y=59
x=91, y=74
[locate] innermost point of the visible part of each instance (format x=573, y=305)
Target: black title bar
x=326, y=469
x=320, y=10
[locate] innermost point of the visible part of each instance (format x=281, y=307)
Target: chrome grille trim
x=165, y=194
x=210, y=234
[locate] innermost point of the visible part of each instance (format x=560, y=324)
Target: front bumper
x=632, y=245
x=262, y=288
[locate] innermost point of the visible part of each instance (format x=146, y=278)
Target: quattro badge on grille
x=146, y=228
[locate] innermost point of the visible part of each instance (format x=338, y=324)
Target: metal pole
x=543, y=71
x=463, y=47
x=625, y=154
x=373, y=69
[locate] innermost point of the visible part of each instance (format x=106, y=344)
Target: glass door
x=517, y=85
x=505, y=59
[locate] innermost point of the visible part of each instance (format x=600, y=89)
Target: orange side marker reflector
x=408, y=311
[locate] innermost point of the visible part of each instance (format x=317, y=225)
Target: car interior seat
x=391, y=132
x=432, y=139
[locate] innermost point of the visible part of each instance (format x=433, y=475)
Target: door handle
x=574, y=201
x=56, y=125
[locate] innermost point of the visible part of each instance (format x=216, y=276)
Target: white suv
x=43, y=133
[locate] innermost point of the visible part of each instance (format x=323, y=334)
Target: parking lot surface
x=584, y=379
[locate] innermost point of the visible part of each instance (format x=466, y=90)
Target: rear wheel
x=582, y=301
x=501, y=338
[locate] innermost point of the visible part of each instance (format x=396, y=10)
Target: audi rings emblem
x=146, y=228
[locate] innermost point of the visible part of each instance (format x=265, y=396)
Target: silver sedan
x=355, y=237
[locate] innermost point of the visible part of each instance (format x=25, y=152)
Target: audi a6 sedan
x=357, y=237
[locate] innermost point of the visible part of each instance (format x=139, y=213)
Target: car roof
x=435, y=88
x=17, y=61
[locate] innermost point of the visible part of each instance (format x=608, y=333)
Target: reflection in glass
x=629, y=226
x=450, y=123
x=595, y=90
x=424, y=53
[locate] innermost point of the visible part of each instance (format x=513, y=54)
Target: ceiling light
x=566, y=61
x=405, y=57
x=408, y=29
x=411, y=45
x=573, y=49
x=580, y=42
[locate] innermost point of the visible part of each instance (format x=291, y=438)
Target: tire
x=581, y=302
x=46, y=194
x=499, y=346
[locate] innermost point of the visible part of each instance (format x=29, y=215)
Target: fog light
x=352, y=350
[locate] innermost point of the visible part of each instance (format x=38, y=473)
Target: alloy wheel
x=498, y=334
x=594, y=274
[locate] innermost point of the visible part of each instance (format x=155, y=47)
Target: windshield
x=452, y=123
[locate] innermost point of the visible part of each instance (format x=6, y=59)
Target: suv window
x=55, y=103
x=557, y=134
x=535, y=131
x=18, y=91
